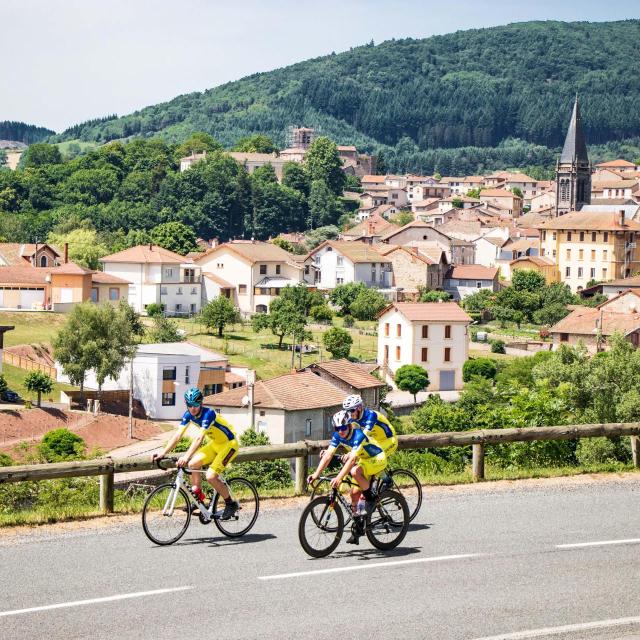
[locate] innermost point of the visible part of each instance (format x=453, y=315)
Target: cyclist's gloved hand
x=157, y=457
x=335, y=483
x=182, y=462
x=310, y=479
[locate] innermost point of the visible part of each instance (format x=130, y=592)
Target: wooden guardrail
x=106, y=468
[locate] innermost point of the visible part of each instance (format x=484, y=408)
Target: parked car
x=9, y=396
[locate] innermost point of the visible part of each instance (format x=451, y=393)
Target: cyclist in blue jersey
x=218, y=451
x=364, y=460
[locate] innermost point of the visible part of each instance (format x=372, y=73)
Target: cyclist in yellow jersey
x=373, y=423
x=220, y=449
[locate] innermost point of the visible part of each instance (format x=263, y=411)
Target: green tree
x=483, y=367
x=497, y=346
x=265, y=474
x=295, y=177
x=517, y=192
x=527, y=280
x=175, y=236
x=412, y=378
x=479, y=301
x=197, y=143
x=402, y=218
x=165, y=330
x=41, y=154
x=85, y=247
x=321, y=313
x=429, y=295
x=323, y=164
x=337, y=342
x=367, y=304
x=551, y=314
x=457, y=203
x=256, y=143
x=38, y=382
x=132, y=317
x=344, y=295
x=319, y=235
x=324, y=208
x=154, y=309
x=61, y=444
x=218, y=313
x=284, y=318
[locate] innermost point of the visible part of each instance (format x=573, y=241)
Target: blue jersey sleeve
x=208, y=418
x=368, y=420
x=186, y=419
x=335, y=441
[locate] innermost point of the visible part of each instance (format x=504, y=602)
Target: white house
x=157, y=276
x=288, y=408
x=465, y=279
x=249, y=272
x=163, y=372
x=339, y=262
x=432, y=335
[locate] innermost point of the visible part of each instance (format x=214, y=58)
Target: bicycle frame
x=181, y=483
x=340, y=496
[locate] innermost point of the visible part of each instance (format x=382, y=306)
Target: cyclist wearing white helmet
x=373, y=423
x=364, y=460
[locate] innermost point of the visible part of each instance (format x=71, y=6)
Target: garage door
x=31, y=297
x=447, y=380
x=66, y=294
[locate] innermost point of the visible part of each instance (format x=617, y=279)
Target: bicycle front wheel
x=406, y=483
x=387, y=526
x=166, y=514
x=245, y=494
x=321, y=526
x=323, y=488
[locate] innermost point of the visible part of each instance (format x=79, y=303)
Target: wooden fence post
x=635, y=451
x=302, y=470
x=478, y=461
x=106, y=492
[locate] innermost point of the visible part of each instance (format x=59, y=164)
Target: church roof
x=575, y=146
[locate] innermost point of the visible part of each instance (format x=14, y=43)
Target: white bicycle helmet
x=340, y=418
x=352, y=402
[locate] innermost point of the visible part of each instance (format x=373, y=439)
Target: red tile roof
x=472, y=272
x=349, y=372
x=144, y=253
x=590, y=221
x=429, y=311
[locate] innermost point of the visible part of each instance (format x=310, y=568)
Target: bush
x=337, y=342
x=265, y=474
x=5, y=460
x=154, y=310
x=601, y=451
x=183, y=445
x=348, y=321
x=483, y=367
x=497, y=346
x=321, y=313
x=61, y=444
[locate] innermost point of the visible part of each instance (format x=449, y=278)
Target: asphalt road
x=477, y=564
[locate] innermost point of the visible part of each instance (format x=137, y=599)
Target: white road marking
x=578, y=545
x=80, y=603
x=552, y=631
x=372, y=565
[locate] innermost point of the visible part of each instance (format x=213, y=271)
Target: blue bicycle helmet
x=193, y=397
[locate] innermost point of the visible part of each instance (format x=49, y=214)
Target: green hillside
x=21, y=132
x=478, y=88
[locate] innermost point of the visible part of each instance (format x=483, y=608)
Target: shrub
x=337, y=342
x=412, y=378
x=61, y=444
x=321, y=313
x=349, y=321
x=473, y=333
x=601, y=451
x=183, y=445
x=3, y=383
x=154, y=310
x=483, y=367
x=5, y=460
x=497, y=346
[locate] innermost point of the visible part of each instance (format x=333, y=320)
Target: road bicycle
x=404, y=482
x=323, y=522
x=168, y=509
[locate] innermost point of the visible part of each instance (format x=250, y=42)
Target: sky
x=66, y=61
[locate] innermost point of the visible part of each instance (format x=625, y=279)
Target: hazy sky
x=65, y=61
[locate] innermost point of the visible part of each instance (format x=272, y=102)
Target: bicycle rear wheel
x=166, y=514
x=246, y=495
x=321, y=526
x=406, y=483
x=387, y=525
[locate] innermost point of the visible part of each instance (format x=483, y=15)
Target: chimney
x=620, y=217
x=66, y=252
x=370, y=225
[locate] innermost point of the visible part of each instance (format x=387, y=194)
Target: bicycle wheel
x=166, y=514
x=406, y=482
x=246, y=495
x=388, y=524
x=321, y=526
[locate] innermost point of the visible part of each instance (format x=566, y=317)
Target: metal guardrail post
x=478, y=461
x=106, y=492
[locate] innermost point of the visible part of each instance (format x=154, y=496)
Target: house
x=339, y=262
x=432, y=335
x=592, y=326
x=590, y=245
x=619, y=165
x=502, y=199
x=619, y=189
x=613, y=288
x=421, y=207
x=351, y=378
x=187, y=162
x=252, y=161
x=157, y=276
x=413, y=268
x=487, y=250
x=355, y=163
x=249, y=272
x=543, y=201
x=384, y=194
x=369, y=230
x=460, y=202
x=420, y=192
x=17, y=254
x=288, y=408
x=542, y=265
x=463, y=280
x=528, y=186
x=163, y=372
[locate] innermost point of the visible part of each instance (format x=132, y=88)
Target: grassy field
x=15, y=381
x=31, y=326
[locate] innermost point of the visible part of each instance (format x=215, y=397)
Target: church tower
x=573, y=169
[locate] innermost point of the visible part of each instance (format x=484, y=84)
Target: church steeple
x=573, y=170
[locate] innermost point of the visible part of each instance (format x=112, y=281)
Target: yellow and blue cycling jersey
x=377, y=425
x=371, y=457
x=218, y=430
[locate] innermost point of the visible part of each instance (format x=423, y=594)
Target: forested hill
x=21, y=132
x=470, y=88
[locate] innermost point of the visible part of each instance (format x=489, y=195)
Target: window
x=447, y=354
x=194, y=291
x=567, y=272
x=186, y=374
x=568, y=254
x=43, y=261
x=568, y=236
x=594, y=235
x=606, y=236
x=307, y=427
x=447, y=331
x=242, y=289
x=210, y=389
x=582, y=236
x=169, y=374
x=168, y=399
x=580, y=254
x=95, y=294
x=553, y=235
x=544, y=235
x=554, y=253
x=605, y=254
x=425, y=354
x=277, y=269
x=425, y=330
x=398, y=330
x=179, y=291
x=579, y=272
x=163, y=291
x=263, y=269
x=339, y=280
x=604, y=273
x=386, y=353
x=193, y=307
x=564, y=337
x=398, y=352
x=340, y=261
x=542, y=252
x=478, y=284
x=168, y=272
x=190, y=275
x=114, y=293
x=593, y=272
x=219, y=265
x=306, y=269
x=386, y=328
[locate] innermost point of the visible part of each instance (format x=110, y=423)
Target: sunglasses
x=342, y=427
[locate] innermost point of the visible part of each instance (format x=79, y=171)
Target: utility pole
x=293, y=352
x=131, y=396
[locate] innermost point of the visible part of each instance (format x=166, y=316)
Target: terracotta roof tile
x=497, y=193
x=472, y=272
x=429, y=311
x=23, y=275
x=586, y=320
x=219, y=281
x=357, y=252
x=589, y=220
x=616, y=163
x=253, y=251
x=100, y=277
x=349, y=372
x=144, y=253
